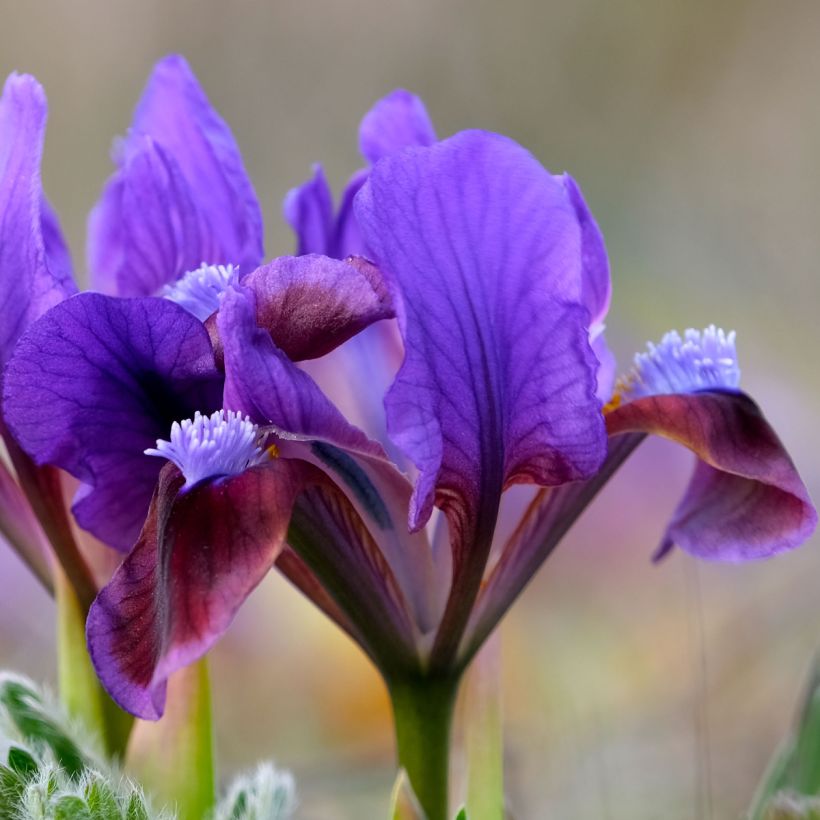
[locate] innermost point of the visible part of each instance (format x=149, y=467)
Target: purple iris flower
x=175, y=221
x=497, y=276
x=497, y=271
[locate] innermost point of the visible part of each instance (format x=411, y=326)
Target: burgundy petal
x=200, y=554
x=746, y=499
x=312, y=304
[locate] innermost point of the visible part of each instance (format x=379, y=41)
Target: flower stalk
x=423, y=717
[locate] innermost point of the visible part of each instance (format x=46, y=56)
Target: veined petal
x=312, y=304
x=35, y=270
x=395, y=122
x=144, y=231
x=498, y=381
x=95, y=382
x=200, y=554
x=176, y=113
x=746, y=499
x=180, y=196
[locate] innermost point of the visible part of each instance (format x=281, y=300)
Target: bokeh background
x=632, y=691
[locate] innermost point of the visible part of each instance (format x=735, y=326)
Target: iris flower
x=497, y=277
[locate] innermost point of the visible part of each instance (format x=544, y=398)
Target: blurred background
x=633, y=691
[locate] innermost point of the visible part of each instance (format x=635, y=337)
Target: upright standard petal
x=200, y=554
x=484, y=250
x=175, y=113
x=144, y=232
x=395, y=122
x=35, y=270
x=746, y=499
x=96, y=381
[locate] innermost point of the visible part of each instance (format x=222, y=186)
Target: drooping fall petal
x=746, y=499
x=200, y=554
x=312, y=304
x=95, y=382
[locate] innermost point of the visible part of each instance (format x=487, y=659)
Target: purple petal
x=200, y=554
x=597, y=283
x=95, y=382
x=176, y=113
x=746, y=499
x=308, y=209
x=35, y=270
x=347, y=238
x=312, y=304
x=261, y=382
x=395, y=122
x=144, y=231
x=498, y=380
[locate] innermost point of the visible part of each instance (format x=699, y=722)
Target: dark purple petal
x=746, y=499
x=308, y=209
x=35, y=270
x=395, y=122
x=312, y=304
x=144, y=231
x=176, y=113
x=498, y=380
x=200, y=554
x=263, y=383
x=95, y=382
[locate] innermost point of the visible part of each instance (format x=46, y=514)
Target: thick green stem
x=80, y=692
x=423, y=716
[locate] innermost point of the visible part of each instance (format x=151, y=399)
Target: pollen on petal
x=698, y=360
x=200, y=291
x=224, y=443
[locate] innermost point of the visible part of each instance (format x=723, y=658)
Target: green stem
x=423, y=716
x=173, y=757
x=80, y=692
x=483, y=733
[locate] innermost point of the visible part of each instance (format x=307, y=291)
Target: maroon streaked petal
x=200, y=554
x=332, y=539
x=312, y=304
x=746, y=499
x=380, y=495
